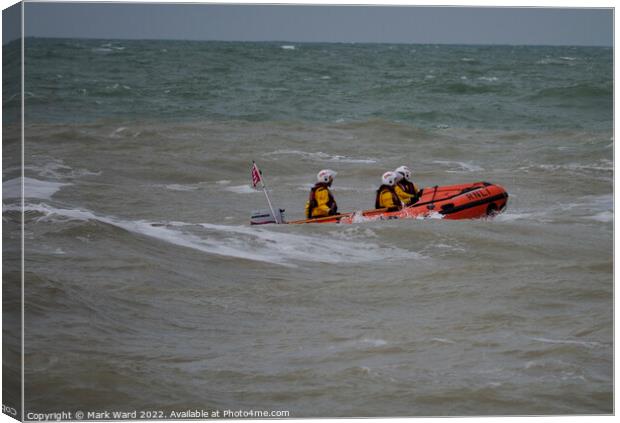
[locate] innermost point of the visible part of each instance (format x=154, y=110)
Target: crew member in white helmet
x=406, y=190
x=386, y=195
x=321, y=202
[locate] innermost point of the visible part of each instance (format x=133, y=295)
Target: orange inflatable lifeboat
x=465, y=201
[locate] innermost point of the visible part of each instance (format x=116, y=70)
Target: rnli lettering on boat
x=478, y=194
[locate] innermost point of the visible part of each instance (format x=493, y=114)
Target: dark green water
x=423, y=85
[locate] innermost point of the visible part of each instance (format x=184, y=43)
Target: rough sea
x=147, y=289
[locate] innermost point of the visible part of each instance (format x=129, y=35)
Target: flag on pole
x=256, y=176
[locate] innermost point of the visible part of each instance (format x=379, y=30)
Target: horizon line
x=313, y=42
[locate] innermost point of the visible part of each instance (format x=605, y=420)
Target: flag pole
x=265, y=191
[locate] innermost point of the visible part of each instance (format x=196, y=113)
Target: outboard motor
x=263, y=217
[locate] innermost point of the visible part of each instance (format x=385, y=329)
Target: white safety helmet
x=326, y=176
x=405, y=171
x=389, y=178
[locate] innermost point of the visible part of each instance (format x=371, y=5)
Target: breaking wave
x=245, y=242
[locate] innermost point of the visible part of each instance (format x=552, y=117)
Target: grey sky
x=458, y=25
x=11, y=23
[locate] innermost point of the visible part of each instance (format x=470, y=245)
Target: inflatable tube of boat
x=465, y=201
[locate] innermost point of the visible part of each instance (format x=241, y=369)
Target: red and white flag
x=256, y=177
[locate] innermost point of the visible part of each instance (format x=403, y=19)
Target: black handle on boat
x=432, y=206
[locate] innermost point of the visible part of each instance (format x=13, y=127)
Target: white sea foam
x=177, y=187
x=605, y=216
x=433, y=215
x=354, y=232
x=109, y=46
x=374, y=342
x=591, y=207
x=489, y=78
x=545, y=61
x=162, y=233
x=52, y=214
x=241, y=189
x=14, y=96
x=587, y=344
x=601, y=205
x=356, y=344
x=287, y=47
x=33, y=188
x=599, y=201
x=320, y=156
x=56, y=169
x=443, y=341
x=602, y=165
x=117, y=132
x=246, y=242
x=449, y=247
x=290, y=247
x=358, y=217
x=460, y=166
x=557, y=61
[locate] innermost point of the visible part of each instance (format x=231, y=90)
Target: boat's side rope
x=431, y=206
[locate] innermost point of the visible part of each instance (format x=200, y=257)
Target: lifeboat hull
x=464, y=201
